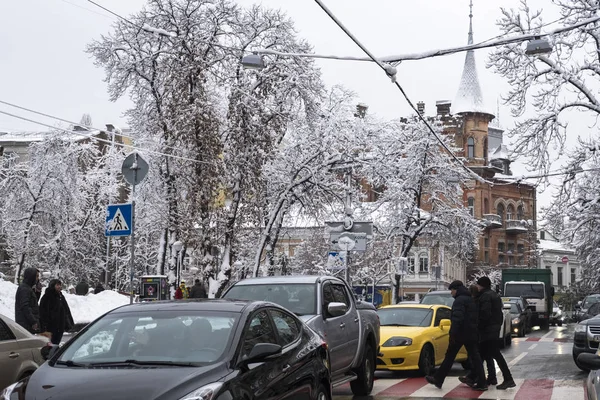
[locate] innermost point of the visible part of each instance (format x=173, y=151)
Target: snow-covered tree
x=495, y=275
x=547, y=92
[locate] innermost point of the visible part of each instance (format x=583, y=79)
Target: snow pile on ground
x=85, y=309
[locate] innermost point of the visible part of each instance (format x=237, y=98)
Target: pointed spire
x=470, y=40
x=469, y=97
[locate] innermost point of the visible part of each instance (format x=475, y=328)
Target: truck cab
x=538, y=297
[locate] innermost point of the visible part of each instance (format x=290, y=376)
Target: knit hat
x=485, y=282
x=455, y=285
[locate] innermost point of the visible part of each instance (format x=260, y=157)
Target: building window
x=500, y=247
x=486, y=206
x=411, y=265
x=511, y=260
x=573, y=276
x=520, y=214
x=542, y=235
x=500, y=211
x=471, y=205
x=486, y=257
x=501, y=259
x=548, y=267
x=510, y=248
x=520, y=248
x=559, y=275
x=510, y=212
x=486, y=242
x=521, y=260
x=423, y=264
x=471, y=147
x=485, y=148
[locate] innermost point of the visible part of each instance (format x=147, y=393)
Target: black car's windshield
x=445, y=299
x=161, y=338
x=527, y=290
x=299, y=298
x=405, y=316
x=514, y=309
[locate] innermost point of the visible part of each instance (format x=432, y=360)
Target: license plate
x=596, y=338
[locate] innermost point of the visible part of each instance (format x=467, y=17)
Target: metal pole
x=107, y=262
x=348, y=214
x=401, y=287
x=135, y=168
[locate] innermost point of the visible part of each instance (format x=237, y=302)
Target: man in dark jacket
x=463, y=331
x=198, y=291
x=489, y=323
x=99, y=288
x=27, y=312
x=55, y=315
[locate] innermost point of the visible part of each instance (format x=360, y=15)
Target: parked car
x=444, y=297
x=327, y=305
x=591, y=362
x=518, y=319
x=581, y=309
x=556, y=318
x=415, y=337
x=20, y=351
x=186, y=350
x=524, y=305
x=586, y=337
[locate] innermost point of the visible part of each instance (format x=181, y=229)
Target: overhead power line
x=391, y=72
x=91, y=137
x=76, y=123
x=439, y=52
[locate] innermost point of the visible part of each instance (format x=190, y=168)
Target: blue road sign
x=118, y=220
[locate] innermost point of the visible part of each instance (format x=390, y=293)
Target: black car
x=591, y=362
x=518, y=319
x=186, y=350
x=586, y=337
x=525, y=308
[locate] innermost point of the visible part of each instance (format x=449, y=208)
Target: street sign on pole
x=118, y=220
x=358, y=232
x=134, y=169
x=336, y=260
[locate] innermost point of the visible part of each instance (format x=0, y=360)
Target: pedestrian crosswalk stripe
x=526, y=389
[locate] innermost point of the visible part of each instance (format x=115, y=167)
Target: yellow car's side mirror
x=445, y=323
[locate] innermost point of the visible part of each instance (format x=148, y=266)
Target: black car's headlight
x=580, y=328
x=206, y=392
x=515, y=321
x=397, y=341
x=6, y=393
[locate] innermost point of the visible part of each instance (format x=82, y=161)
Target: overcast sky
x=43, y=65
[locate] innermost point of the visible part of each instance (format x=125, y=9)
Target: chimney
x=421, y=107
x=443, y=107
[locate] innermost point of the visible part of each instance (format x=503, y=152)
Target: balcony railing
x=516, y=226
x=492, y=220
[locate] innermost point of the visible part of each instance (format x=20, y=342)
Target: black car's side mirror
x=589, y=360
x=260, y=352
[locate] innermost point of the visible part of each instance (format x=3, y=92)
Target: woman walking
x=55, y=315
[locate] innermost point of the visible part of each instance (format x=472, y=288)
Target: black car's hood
x=60, y=383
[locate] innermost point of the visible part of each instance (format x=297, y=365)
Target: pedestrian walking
x=198, y=291
x=470, y=378
x=27, y=311
x=489, y=325
x=55, y=314
x=463, y=332
x=178, y=293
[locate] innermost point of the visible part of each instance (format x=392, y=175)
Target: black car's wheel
x=579, y=365
x=322, y=394
x=363, y=385
x=427, y=360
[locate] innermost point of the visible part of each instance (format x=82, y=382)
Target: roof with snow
x=551, y=245
x=469, y=97
x=499, y=153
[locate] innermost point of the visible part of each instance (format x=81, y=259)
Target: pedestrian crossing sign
x=118, y=220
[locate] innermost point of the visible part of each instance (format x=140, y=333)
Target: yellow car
x=415, y=337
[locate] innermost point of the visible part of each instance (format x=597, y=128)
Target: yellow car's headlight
x=397, y=341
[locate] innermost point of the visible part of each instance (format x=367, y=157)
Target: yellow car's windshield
x=405, y=316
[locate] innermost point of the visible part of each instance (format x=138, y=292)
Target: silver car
x=20, y=352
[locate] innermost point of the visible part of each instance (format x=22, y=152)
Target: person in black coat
x=490, y=323
x=463, y=332
x=55, y=315
x=198, y=291
x=27, y=312
x=99, y=288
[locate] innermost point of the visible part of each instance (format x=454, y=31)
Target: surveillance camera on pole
x=538, y=46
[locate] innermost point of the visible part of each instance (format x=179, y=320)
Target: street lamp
x=538, y=46
x=177, y=247
x=253, y=61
